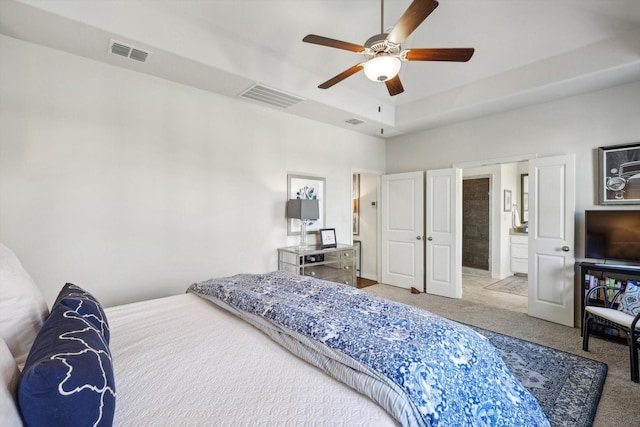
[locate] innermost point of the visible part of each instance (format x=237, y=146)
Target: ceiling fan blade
x=411, y=19
x=340, y=77
x=338, y=44
x=445, y=54
x=394, y=86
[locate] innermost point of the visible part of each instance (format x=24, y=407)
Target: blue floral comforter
x=421, y=368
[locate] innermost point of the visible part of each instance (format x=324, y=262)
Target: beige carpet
x=620, y=402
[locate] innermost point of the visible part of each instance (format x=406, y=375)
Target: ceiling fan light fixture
x=382, y=68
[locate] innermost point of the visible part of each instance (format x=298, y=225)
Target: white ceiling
x=526, y=51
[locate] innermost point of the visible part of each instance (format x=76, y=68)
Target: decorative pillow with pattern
x=630, y=299
x=86, y=305
x=68, y=378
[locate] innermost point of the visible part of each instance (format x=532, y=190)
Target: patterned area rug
x=517, y=285
x=567, y=386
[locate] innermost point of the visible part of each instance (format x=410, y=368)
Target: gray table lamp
x=304, y=210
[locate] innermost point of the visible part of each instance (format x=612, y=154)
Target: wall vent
x=354, y=121
x=127, y=51
x=270, y=96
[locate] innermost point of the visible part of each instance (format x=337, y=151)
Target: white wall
x=135, y=187
x=577, y=125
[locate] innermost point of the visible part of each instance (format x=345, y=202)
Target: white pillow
x=9, y=373
x=23, y=309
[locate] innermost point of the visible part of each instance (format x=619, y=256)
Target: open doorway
x=475, y=223
x=365, y=226
x=491, y=194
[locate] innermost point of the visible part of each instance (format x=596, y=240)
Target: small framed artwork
x=619, y=174
x=507, y=200
x=328, y=238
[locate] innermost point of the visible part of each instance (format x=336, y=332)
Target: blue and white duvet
x=421, y=368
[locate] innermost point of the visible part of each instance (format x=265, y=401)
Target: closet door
x=402, y=230
x=444, y=232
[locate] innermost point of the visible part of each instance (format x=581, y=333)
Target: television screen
x=612, y=235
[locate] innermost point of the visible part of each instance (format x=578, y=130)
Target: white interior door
x=402, y=229
x=444, y=232
x=551, y=238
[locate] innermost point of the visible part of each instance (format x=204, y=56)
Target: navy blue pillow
x=68, y=377
x=86, y=305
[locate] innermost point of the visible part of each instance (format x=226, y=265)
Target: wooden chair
x=610, y=317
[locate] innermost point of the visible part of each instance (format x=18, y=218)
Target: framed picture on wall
x=619, y=174
x=328, y=238
x=306, y=187
x=507, y=201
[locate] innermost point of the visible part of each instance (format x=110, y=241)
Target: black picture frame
x=328, y=238
x=619, y=174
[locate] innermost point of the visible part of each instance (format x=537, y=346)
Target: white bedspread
x=182, y=360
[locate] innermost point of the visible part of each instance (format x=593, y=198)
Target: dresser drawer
x=340, y=255
x=520, y=239
x=519, y=251
x=520, y=265
x=344, y=278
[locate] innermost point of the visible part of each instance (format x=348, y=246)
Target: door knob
x=419, y=237
x=429, y=238
x=565, y=248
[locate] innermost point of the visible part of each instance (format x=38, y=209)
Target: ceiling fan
x=384, y=53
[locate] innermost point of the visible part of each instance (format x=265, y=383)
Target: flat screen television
x=613, y=235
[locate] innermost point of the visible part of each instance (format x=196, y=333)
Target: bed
x=222, y=378
x=234, y=351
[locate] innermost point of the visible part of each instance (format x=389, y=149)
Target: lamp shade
x=382, y=68
x=303, y=209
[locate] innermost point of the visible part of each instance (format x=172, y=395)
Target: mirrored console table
x=333, y=264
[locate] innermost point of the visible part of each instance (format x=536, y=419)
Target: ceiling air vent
x=354, y=121
x=270, y=96
x=123, y=49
